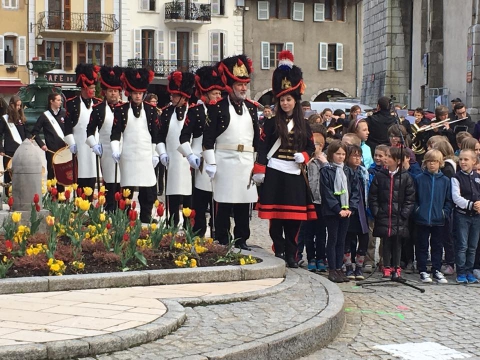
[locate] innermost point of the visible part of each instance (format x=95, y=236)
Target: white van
x=319, y=106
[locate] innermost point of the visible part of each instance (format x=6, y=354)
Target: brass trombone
x=437, y=125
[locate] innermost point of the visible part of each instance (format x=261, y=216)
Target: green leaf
x=141, y=258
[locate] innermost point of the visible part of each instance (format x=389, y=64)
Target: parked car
x=319, y=106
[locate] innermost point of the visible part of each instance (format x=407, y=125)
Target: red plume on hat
x=287, y=78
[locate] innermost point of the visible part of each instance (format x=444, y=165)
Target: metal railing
x=69, y=21
x=162, y=68
x=194, y=11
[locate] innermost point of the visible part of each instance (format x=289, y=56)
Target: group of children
x=428, y=208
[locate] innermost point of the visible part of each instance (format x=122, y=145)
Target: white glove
x=258, y=178
x=97, y=149
x=164, y=159
x=155, y=160
x=194, y=161
x=73, y=149
x=116, y=157
x=299, y=158
x=210, y=170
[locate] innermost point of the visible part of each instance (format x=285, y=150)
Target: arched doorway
x=267, y=98
x=328, y=95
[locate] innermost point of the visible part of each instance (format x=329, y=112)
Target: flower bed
x=82, y=238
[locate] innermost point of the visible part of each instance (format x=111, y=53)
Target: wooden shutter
x=108, y=49
x=173, y=45
x=2, y=50
x=289, y=46
x=160, y=45
x=215, y=7
x=81, y=52
x=67, y=15
x=298, y=11
x=318, y=12
x=215, y=46
x=263, y=10
x=67, y=55
x=195, y=46
x=144, y=5
x=41, y=50
x=22, y=50
x=265, y=50
x=339, y=62
x=323, y=56
x=137, y=43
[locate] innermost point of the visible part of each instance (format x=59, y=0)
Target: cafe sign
x=61, y=78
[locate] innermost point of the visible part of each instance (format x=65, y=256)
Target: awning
x=10, y=86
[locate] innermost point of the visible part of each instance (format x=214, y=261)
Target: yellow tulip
x=193, y=263
x=5, y=259
x=10, y=191
x=187, y=212
x=84, y=205
x=49, y=183
x=50, y=220
x=128, y=202
x=102, y=217
x=153, y=227
x=61, y=196
x=88, y=191
x=75, y=186
x=157, y=203
x=126, y=193
x=242, y=261
x=101, y=200
x=55, y=267
x=54, y=182
x=16, y=216
x=102, y=189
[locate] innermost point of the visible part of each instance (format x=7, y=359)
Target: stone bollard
x=26, y=176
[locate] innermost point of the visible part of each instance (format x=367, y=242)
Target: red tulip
x=53, y=191
x=67, y=194
x=134, y=205
x=10, y=201
x=118, y=196
x=37, y=207
x=132, y=215
x=109, y=226
x=192, y=214
x=79, y=191
x=126, y=237
x=160, y=210
x=9, y=245
x=36, y=198
x=132, y=223
x=121, y=204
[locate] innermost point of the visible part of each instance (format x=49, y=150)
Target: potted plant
x=175, y=9
x=11, y=69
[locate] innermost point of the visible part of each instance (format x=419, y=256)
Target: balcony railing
x=194, y=11
x=162, y=68
x=68, y=21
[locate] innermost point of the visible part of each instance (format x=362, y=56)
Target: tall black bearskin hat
x=136, y=79
x=181, y=83
x=287, y=78
x=207, y=78
x=86, y=75
x=111, y=77
x=235, y=69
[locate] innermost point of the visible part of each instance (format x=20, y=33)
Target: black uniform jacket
x=194, y=123
x=52, y=140
x=7, y=144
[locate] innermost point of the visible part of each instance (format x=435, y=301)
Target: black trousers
x=50, y=172
x=6, y=175
x=201, y=199
x=392, y=251
x=111, y=189
x=284, y=235
x=146, y=197
x=241, y=231
x=174, y=202
x=160, y=174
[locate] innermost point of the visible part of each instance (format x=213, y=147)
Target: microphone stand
x=402, y=157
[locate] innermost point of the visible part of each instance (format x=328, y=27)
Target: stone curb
x=89, y=346
x=270, y=267
x=300, y=340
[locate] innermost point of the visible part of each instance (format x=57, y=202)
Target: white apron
x=234, y=167
x=107, y=162
x=179, y=178
x=136, y=159
x=202, y=180
x=87, y=167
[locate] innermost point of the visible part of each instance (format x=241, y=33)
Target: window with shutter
x=22, y=50
x=68, y=55
x=323, y=56
x=144, y=5
x=81, y=52
x=339, y=63
x=160, y=45
x=275, y=49
x=263, y=10
x=2, y=50
x=195, y=46
x=318, y=12
x=340, y=10
x=173, y=45
x=297, y=11
x=41, y=51
x=108, y=54
x=137, y=43
x=328, y=5
x=217, y=45
x=289, y=46
x=10, y=4
x=218, y=7
x=265, y=54
x=53, y=52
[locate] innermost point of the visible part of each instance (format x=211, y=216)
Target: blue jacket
x=433, y=199
x=366, y=155
x=415, y=169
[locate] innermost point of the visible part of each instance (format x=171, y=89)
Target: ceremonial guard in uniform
x=79, y=109
x=51, y=122
x=102, y=120
x=286, y=143
x=179, y=178
x=137, y=121
x=208, y=89
x=229, y=139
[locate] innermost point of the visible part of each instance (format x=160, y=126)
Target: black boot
x=291, y=262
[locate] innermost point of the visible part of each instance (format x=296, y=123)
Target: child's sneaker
x=349, y=272
x=439, y=278
x=476, y=273
x=368, y=268
x=387, y=272
x=425, y=277
x=359, y=273
x=471, y=279
x=448, y=270
x=321, y=267
x=312, y=265
x=462, y=279
x=397, y=274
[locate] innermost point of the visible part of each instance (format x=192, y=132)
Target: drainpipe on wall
x=120, y=29
x=356, y=50
x=411, y=58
